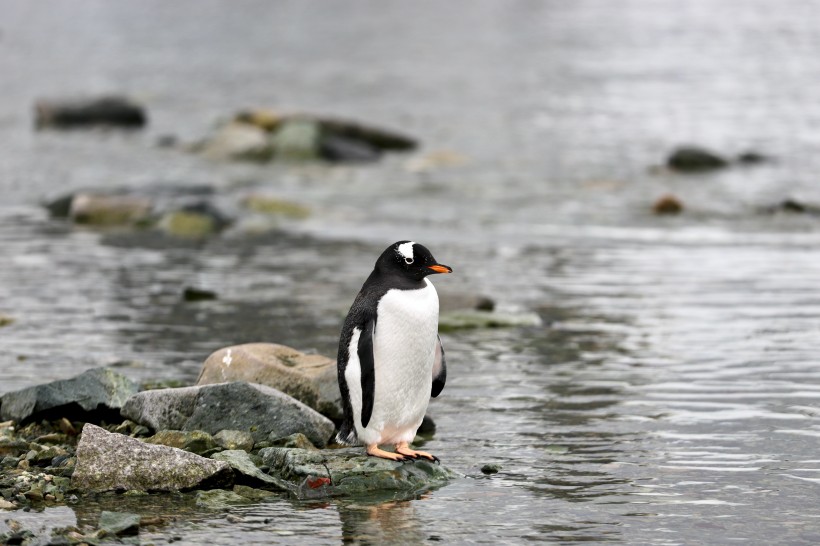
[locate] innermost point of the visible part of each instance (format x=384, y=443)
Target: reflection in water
x=392, y=522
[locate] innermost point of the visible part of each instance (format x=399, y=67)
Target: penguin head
x=410, y=260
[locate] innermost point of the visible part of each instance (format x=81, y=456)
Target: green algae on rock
x=349, y=472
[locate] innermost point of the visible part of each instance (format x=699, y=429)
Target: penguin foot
x=374, y=451
x=404, y=449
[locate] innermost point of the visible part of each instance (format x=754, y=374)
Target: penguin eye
x=408, y=261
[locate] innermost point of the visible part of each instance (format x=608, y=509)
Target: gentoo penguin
x=390, y=356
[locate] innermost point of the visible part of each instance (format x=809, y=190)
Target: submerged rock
x=257, y=409
x=5, y=320
x=219, y=499
x=466, y=319
x=192, y=294
x=275, y=207
x=91, y=396
x=119, y=523
x=311, y=379
x=667, y=205
x=193, y=221
x=238, y=141
x=108, y=461
x=342, y=472
x=793, y=206
x=752, y=158
x=109, y=210
x=71, y=113
x=297, y=140
x=690, y=159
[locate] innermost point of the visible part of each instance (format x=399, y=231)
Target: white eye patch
x=406, y=250
x=408, y=261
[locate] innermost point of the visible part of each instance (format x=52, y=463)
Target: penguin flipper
x=439, y=369
x=368, y=367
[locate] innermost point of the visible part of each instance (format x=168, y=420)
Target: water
x=670, y=398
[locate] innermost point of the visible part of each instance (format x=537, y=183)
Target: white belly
x=404, y=351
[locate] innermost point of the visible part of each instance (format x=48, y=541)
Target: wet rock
x=234, y=439
x=792, y=206
x=375, y=137
x=91, y=396
x=109, y=462
x=247, y=473
x=192, y=294
x=109, y=210
x=239, y=142
x=315, y=474
x=257, y=409
x=5, y=320
x=275, y=207
x=490, y=468
x=337, y=148
x=427, y=427
x=456, y=301
x=195, y=441
x=6, y=505
x=267, y=120
x=83, y=112
x=311, y=379
x=752, y=158
x=297, y=140
x=218, y=499
x=252, y=493
x=294, y=440
x=193, y=221
x=119, y=523
x=667, y=205
x=462, y=320
x=690, y=159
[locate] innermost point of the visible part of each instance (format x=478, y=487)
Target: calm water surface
x=671, y=396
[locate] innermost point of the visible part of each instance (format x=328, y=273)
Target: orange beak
x=440, y=268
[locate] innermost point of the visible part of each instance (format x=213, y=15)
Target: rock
x=752, y=158
x=108, y=461
x=252, y=493
x=6, y=505
x=490, y=468
x=457, y=301
x=311, y=379
x=257, y=409
x=693, y=159
x=297, y=140
x=247, y=472
x=195, y=441
x=192, y=294
x=109, y=210
x=427, y=427
x=275, y=207
x=238, y=142
x=340, y=149
x=667, y=205
x=193, y=221
x=5, y=320
x=234, y=439
x=378, y=138
x=109, y=111
x=267, y=120
x=91, y=396
x=461, y=320
x=314, y=474
x=792, y=206
x=119, y=523
x=294, y=440
x=218, y=499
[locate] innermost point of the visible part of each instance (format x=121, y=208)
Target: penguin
x=390, y=356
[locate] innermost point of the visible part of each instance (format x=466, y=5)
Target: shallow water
x=670, y=397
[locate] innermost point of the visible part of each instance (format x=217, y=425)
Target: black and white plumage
x=390, y=356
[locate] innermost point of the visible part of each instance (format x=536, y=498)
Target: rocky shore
x=233, y=438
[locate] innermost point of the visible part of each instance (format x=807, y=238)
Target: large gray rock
x=108, y=461
x=343, y=472
x=92, y=395
x=257, y=409
x=311, y=379
x=247, y=472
